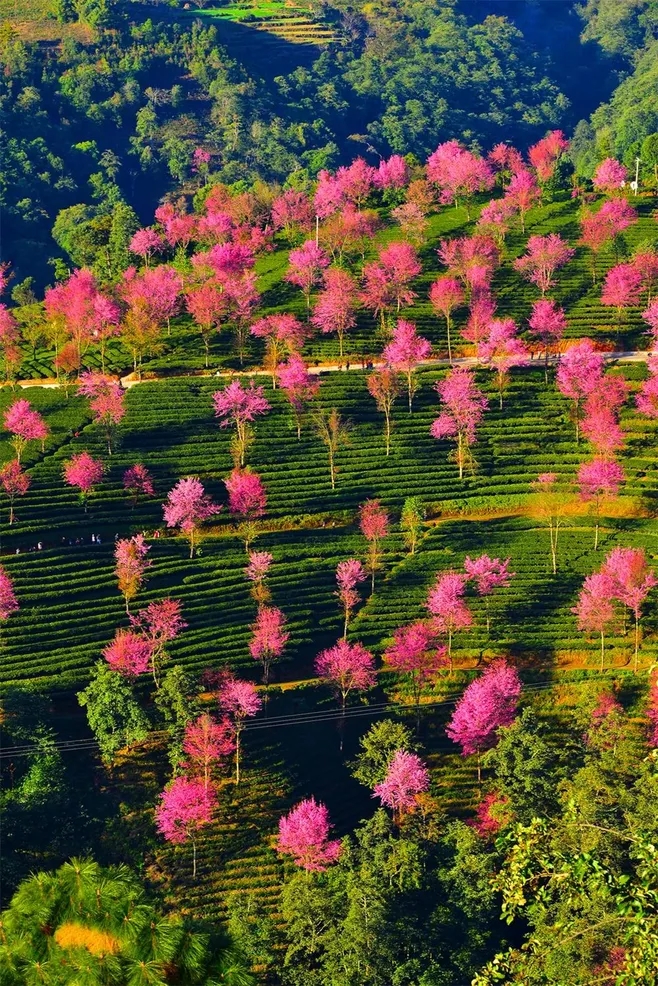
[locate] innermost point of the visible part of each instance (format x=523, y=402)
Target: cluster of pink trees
x=624, y=580
x=446, y=603
x=597, y=399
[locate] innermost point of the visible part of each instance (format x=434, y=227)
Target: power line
x=293, y=719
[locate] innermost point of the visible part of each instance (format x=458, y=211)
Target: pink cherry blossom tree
x=239, y=700
x=187, y=507
x=595, y=608
x=523, y=193
x=482, y=311
x=131, y=564
x=348, y=667
x=292, y=213
x=488, y=704
x=160, y=622
x=269, y=638
x=473, y=259
x=247, y=501
x=543, y=257
x=349, y=574
x=622, y=288
x=392, y=173
x=306, y=266
x=257, y=571
x=601, y=418
x=405, y=352
x=579, y=372
x=186, y=806
x=401, y=265
x=633, y=580
x=299, y=386
x=647, y=399
x=604, y=228
x=207, y=742
x=445, y=602
x=495, y=219
x=107, y=401
x=548, y=322
x=25, y=424
x=15, y=482
x=610, y=176
x=599, y=481
x=645, y=261
x=336, y=305
x=208, y=303
x=384, y=385
x=82, y=310
x=446, y=294
x=8, y=601
x=304, y=835
x=240, y=406
x=502, y=350
x=458, y=174
x=488, y=574
x=283, y=335
x=373, y=521
x=546, y=153
x=407, y=777
x=506, y=161
x=129, y=653
x=417, y=654
x=138, y=480
x=464, y=407
x=85, y=473
x=145, y=243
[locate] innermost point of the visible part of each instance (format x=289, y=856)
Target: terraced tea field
x=70, y=604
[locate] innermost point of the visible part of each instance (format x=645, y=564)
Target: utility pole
x=636, y=184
